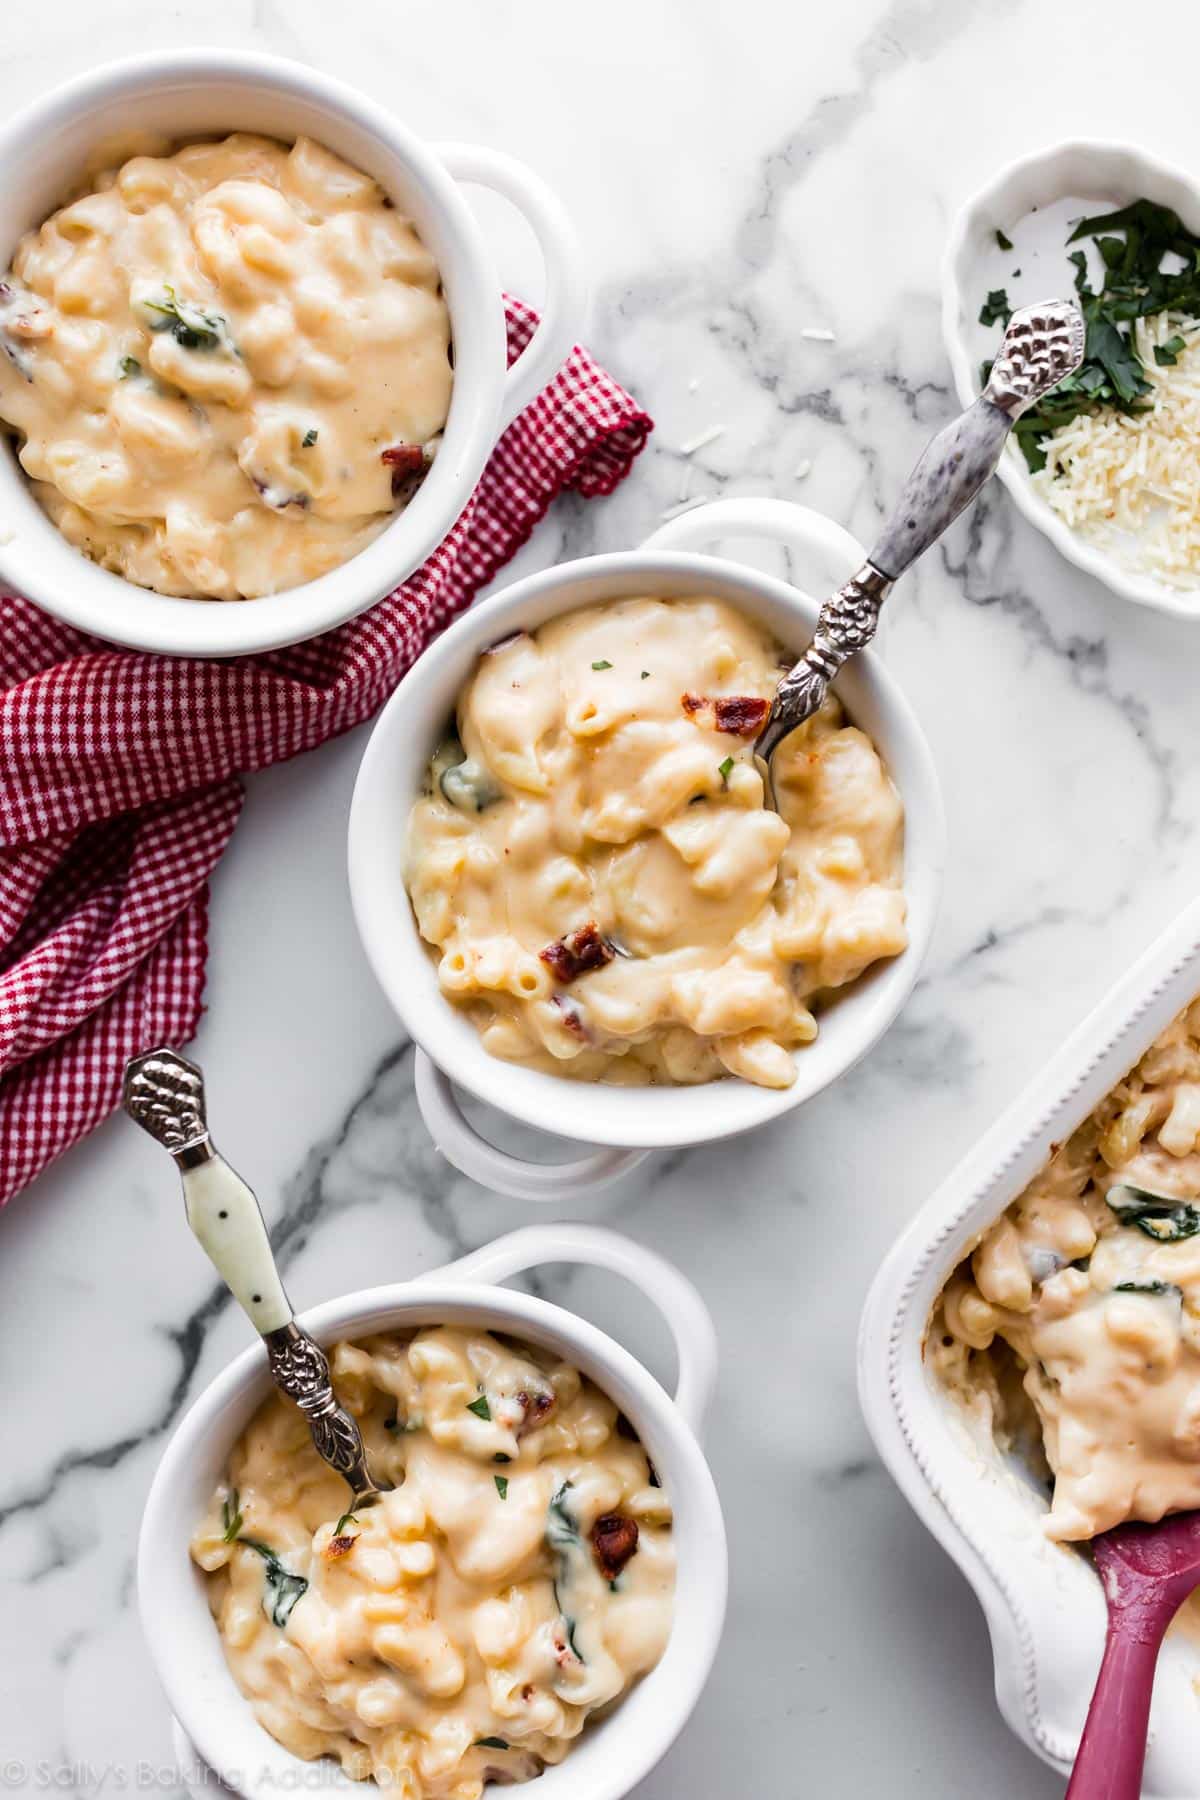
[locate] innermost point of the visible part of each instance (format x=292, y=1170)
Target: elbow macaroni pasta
x=1073, y=1323
x=518, y=1576
x=206, y=356
x=594, y=786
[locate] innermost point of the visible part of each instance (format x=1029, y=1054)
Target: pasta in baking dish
x=1077, y=1318
x=593, y=865
x=518, y=1576
x=227, y=367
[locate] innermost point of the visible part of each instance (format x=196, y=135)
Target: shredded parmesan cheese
x=1131, y=482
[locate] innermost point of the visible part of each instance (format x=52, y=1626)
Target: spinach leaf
x=565, y=1540
x=480, y=1407
x=1160, y=1217
x=995, y=308
x=1147, y=1287
x=231, y=1516
x=281, y=1589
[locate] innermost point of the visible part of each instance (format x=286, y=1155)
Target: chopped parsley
x=309, y=438
x=129, y=365
x=1147, y=1287
x=724, y=769
x=1004, y=242
x=189, y=325
x=995, y=309
x=1167, y=355
x=501, y=1482
x=480, y=1407
x=645, y=674
x=602, y=664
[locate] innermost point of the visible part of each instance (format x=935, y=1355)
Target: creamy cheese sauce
x=518, y=1576
x=1095, y=1292
x=593, y=864
x=226, y=367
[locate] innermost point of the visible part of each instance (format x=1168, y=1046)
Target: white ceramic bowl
x=632, y=1120
x=221, y=1739
x=1043, y=1603
x=193, y=93
x=1063, y=183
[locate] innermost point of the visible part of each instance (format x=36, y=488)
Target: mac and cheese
x=226, y=367
x=607, y=895
x=518, y=1575
x=1091, y=1281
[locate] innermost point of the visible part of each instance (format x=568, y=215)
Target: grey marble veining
x=739, y=175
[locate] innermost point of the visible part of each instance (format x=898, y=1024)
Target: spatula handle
x=1112, y=1750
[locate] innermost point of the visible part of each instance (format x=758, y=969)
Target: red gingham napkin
x=118, y=775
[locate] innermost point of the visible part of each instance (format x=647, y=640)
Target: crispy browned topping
x=405, y=461
x=742, y=715
x=338, y=1546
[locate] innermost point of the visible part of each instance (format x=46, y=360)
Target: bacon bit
x=572, y=1018
x=744, y=715
x=405, y=461
x=537, y=1409
x=741, y=715
x=338, y=1546
x=614, y=1541
x=578, y=952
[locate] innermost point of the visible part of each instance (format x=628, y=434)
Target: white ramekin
x=1102, y=174
x=1044, y=1608
x=628, y=1121
x=193, y=93
x=219, y=1738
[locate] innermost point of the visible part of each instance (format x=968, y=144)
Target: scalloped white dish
x=1043, y=1604
x=1031, y=202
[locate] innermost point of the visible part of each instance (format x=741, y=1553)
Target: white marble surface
x=736, y=173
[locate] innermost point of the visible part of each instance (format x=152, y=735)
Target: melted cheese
x=596, y=791
x=206, y=355
x=465, y=1627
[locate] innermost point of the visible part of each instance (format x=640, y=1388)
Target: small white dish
x=627, y=1120
x=1043, y=1604
x=196, y=93
x=217, y=1736
x=1032, y=202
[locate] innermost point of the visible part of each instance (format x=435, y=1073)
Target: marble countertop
x=736, y=173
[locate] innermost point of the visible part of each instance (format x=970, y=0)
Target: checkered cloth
x=119, y=775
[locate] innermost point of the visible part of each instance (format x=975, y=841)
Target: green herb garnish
x=645, y=674
x=189, y=325
x=602, y=664
x=995, y=309
x=1165, y=1220
x=1132, y=243
x=564, y=1539
x=480, y=1407
x=281, y=1589
x=1147, y=1287
x=501, y=1482
x=309, y=438
x=347, y=1518
x=491, y=1744
x=724, y=770
x=231, y=1516
x=1004, y=242
x=129, y=366
x=501, y=1458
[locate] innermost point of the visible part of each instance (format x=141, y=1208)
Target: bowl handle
x=826, y=553
x=565, y=305
x=687, y=1317
x=472, y=1155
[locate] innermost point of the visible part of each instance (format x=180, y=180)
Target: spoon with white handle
x=164, y=1094
x=1042, y=346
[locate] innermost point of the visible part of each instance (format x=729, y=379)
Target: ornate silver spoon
x=164, y=1094
x=1043, y=344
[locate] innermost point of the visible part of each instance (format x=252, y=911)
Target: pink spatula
x=1148, y=1571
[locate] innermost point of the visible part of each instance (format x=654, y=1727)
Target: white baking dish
x=1043, y=1603
x=222, y=1748
x=198, y=93
x=1031, y=201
